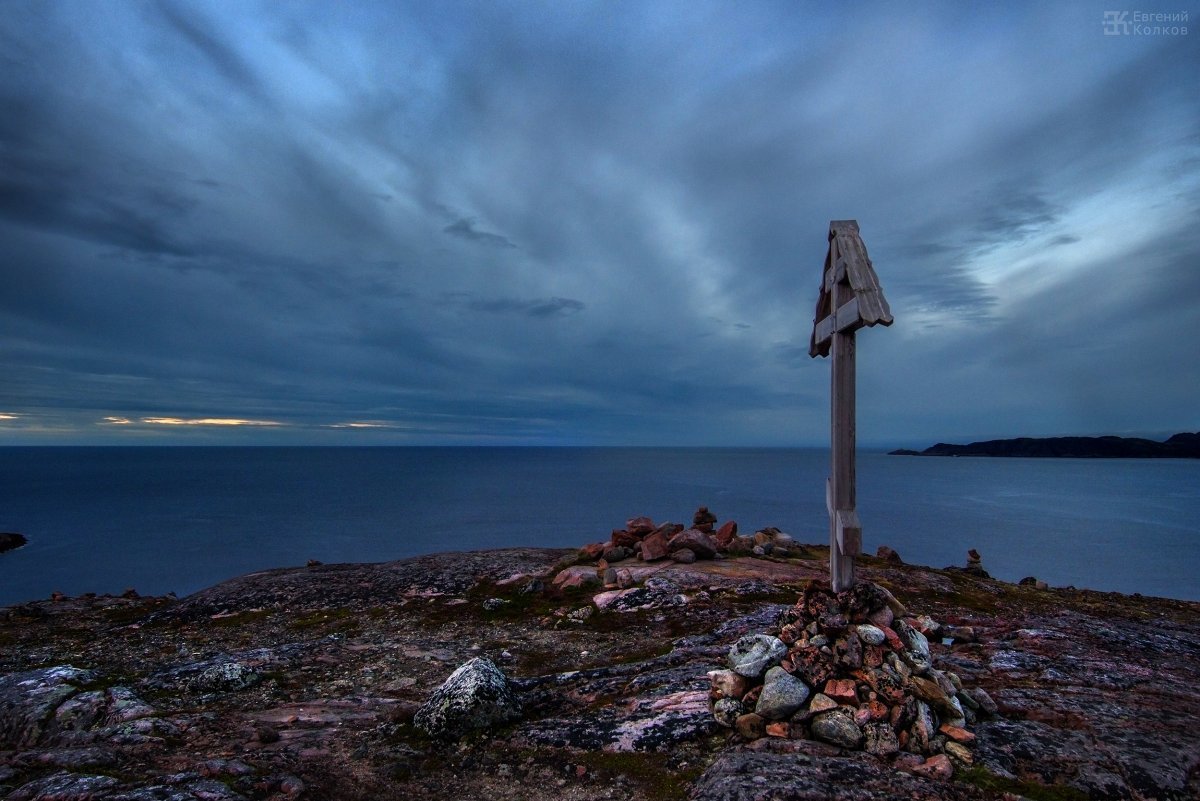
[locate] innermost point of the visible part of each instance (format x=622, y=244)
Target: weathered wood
x=850, y=298
x=863, y=280
x=846, y=318
x=851, y=268
x=849, y=532
x=842, y=437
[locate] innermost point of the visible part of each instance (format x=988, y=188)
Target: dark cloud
x=541, y=308
x=1012, y=213
x=499, y=223
x=464, y=228
x=214, y=49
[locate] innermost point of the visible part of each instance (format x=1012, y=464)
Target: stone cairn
x=644, y=541
x=851, y=669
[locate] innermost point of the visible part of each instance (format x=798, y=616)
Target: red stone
x=879, y=710
x=893, y=639
x=841, y=690
x=726, y=533
x=670, y=529
x=888, y=555
x=810, y=665
x=957, y=734
x=623, y=538
x=654, y=547
x=696, y=541
x=593, y=551
x=872, y=656
x=751, y=726
x=936, y=767
x=779, y=728
x=640, y=525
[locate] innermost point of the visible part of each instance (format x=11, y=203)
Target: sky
x=592, y=223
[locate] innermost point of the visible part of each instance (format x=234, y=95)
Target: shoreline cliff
x=1178, y=446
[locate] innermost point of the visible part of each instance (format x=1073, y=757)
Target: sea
x=179, y=519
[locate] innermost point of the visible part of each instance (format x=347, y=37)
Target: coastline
x=1097, y=691
x=1184, y=445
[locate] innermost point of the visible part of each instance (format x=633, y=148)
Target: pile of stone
x=854, y=670
x=646, y=541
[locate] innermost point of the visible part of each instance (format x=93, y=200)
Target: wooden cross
x=850, y=299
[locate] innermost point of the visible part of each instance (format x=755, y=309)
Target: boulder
x=916, y=646
x=684, y=556
x=669, y=530
x=837, y=727
x=592, y=551
x=726, y=533
x=617, y=554
x=579, y=576
x=727, y=684
x=936, y=767
x=871, y=634
x=229, y=676
x=782, y=695
x=888, y=555
x=695, y=540
x=880, y=739
x=654, y=547
x=740, y=545
x=639, y=526
x=751, y=726
x=726, y=711
x=476, y=696
x=753, y=654
x=622, y=538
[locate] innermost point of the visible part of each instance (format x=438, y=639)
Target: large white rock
x=751, y=655
x=476, y=696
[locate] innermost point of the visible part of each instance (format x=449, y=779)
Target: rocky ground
x=303, y=683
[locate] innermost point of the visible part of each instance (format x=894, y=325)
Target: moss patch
x=986, y=780
x=336, y=619
x=650, y=772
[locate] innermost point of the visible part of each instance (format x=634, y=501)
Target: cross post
x=850, y=298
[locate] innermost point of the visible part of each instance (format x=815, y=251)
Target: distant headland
x=1178, y=446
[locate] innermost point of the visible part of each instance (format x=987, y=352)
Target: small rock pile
x=646, y=541
x=854, y=670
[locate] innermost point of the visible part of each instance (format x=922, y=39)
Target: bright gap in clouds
x=207, y=421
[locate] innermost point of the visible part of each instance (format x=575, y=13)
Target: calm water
x=180, y=519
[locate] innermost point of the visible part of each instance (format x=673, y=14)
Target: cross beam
x=850, y=298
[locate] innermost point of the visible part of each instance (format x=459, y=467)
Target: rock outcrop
x=1076, y=694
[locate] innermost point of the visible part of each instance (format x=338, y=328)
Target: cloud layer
x=588, y=223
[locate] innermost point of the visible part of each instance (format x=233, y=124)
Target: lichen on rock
x=476, y=696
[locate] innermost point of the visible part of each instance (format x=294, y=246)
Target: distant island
x=1178, y=446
